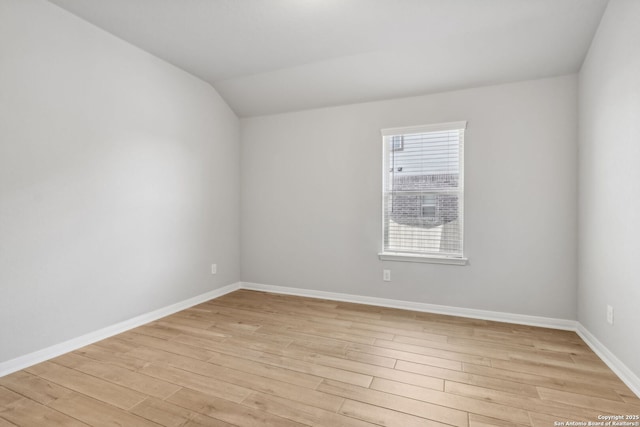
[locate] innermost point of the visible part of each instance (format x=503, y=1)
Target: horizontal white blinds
x=423, y=189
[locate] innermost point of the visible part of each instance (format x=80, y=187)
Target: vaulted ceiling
x=270, y=56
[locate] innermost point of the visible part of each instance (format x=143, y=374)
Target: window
x=423, y=193
x=397, y=143
x=429, y=206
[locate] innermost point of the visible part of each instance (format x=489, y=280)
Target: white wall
x=311, y=199
x=118, y=180
x=609, y=165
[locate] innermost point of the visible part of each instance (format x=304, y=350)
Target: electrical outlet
x=609, y=314
x=386, y=275
x=214, y=268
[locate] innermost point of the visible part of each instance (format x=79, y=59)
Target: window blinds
x=423, y=190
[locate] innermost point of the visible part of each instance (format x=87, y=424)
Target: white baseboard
x=521, y=319
x=31, y=359
x=621, y=370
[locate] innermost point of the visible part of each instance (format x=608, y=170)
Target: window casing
x=423, y=193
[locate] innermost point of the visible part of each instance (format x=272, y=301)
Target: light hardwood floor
x=258, y=359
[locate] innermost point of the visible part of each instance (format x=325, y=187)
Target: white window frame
x=411, y=256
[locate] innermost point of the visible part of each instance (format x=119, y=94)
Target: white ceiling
x=269, y=56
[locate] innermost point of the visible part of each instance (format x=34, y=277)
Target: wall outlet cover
x=609, y=314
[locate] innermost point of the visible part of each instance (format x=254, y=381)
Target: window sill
x=433, y=259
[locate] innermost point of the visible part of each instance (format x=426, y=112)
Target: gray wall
x=311, y=199
x=609, y=267
x=118, y=180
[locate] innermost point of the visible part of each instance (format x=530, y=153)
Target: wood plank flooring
x=257, y=359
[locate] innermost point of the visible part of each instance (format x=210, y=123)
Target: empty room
x=320, y=213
